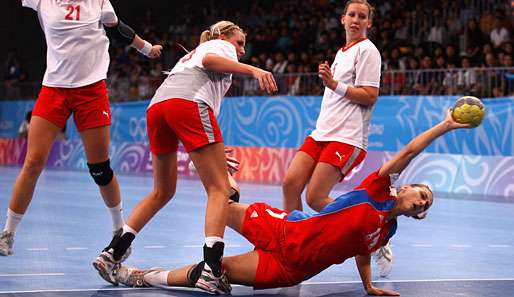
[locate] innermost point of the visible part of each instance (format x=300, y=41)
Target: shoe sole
x=103, y=274
x=207, y=288
x=201, y=284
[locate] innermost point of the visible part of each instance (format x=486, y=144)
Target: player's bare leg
x=297, y=177
x=323, y=180
x=42, y=134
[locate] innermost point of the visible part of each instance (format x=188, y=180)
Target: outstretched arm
x=402, y=159
x=218, y=63
x=364, y=267
x=124, y=32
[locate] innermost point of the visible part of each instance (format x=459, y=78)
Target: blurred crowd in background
x=428, y=47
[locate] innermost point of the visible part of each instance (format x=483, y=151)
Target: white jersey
x=191, y=81
x=77, y=46
x=341, y=119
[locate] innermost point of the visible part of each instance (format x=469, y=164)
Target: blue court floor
x=464, y=247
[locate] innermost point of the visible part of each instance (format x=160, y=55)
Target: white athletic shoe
x=384, y=259
x=213, y=284
x=6, y=243
x=107, y=267
x=135, y=277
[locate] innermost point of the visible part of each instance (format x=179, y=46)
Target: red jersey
x=354, y=224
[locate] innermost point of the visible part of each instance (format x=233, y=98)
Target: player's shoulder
x=217, y=43
x=368, y=45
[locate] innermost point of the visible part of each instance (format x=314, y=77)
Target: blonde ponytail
x=205, y=36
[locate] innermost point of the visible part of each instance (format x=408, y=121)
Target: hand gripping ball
x=469, y=110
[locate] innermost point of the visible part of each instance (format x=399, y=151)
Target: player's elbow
x=371, y=100
x=210, y=62
x=370, y=95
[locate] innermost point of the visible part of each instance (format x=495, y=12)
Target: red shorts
x=263, y=226
x=194, y=124
x=89, y=104
x=341, y=155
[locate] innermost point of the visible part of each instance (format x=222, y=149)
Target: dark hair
x=365, y=2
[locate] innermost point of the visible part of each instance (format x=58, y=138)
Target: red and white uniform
x=295, y=246
x=77, y=61
x=186, y=104
x=190, y=80
x=340, y=119
x=77, y=46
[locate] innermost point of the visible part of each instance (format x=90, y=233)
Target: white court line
x=31, y=274
x=415, y=281
x=78, y=290
x=37, y=249
x=305, y=284
x=460, y=245
x=422, y=245
x=498, y=245
x=154, y=246
x=76, y=248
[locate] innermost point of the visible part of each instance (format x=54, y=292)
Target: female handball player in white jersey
x=339, y=142
x=77, y=62
x=184, y=108
x=340, y=139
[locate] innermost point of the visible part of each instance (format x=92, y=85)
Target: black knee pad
x=101, y=172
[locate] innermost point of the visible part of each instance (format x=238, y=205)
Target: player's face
x=356, y=21
x=238, y=39
x=414, y=200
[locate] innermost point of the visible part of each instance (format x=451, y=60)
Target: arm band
x=122, y=31
x=341, y=89
x=147, y=48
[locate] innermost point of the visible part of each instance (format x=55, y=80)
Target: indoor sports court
x=404, y=110
x=463, y=249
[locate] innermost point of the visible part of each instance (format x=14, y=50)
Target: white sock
x=157, y=279
x=117, y=217
x=127, y=228
x=13, y=219
x=211, y=240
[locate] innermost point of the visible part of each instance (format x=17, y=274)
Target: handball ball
x=469, y=110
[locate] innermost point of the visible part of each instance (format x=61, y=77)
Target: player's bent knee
x=292, y=186
x=163, y=197
x=101, y=172
x=314, y=202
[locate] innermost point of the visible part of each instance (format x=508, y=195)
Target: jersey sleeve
x=108, y=14
x=367, y=68
x=378, y=187
x=30, y=4
x=221, y=48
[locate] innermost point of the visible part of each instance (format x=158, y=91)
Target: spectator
x=467, y=77
x=14, y=78
x=451, y=55
x=450, y=81
x=436, y=32
x=499, y=34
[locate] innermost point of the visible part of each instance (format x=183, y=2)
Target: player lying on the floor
x=293, y=247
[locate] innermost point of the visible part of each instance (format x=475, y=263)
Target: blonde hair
x=220, y=28
x=371, y=9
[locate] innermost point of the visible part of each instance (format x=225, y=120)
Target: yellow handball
x=469, y=110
